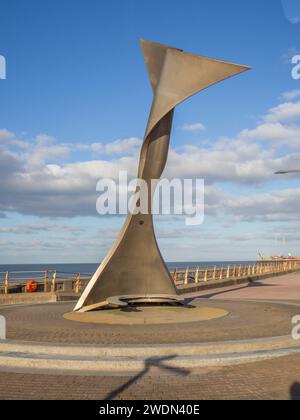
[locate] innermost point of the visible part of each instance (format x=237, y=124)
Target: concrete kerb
x=55, y=358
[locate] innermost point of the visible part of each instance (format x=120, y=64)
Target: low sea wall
x=54, y=286
x=22, y=298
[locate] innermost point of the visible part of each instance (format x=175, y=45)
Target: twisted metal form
x=134, y=270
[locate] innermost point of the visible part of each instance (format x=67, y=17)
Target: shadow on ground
x=156, y=362
x=223, y=292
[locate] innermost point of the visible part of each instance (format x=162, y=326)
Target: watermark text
x=296, y=329
x=2, y=328
x=166, y=197
x=296, y=68
x=2, y=67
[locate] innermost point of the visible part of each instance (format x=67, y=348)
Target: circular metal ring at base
x=121, y=301
x=124, y=300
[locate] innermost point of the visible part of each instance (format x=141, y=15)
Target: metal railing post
x=78, y=284
x=174, y=277
x=214, y=274
x=53, y=286
x=186, y=275
x=45, y=281
x=6, y=288
x=206, y=275
x=197, y=275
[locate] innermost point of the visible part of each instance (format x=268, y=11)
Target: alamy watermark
x=296, y=68
x=168, y=197
x=291, y=10
x=296, y=329
x=2, y=328
x=2, y=67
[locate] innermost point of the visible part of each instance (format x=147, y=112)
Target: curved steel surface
x=134, y=265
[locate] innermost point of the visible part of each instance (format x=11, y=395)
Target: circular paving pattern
x=245, y=320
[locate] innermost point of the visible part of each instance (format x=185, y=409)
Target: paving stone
x=45, y=323
x=272, y=380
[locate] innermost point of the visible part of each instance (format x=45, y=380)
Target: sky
x=75, y=103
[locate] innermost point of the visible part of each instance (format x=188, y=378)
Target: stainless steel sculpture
x=134, y=270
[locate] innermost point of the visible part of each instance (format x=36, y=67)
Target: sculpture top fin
x=154, y=56
x=176, y=75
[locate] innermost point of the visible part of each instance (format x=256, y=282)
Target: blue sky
x=75, y=104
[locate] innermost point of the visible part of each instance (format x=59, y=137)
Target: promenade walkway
x=272, y=379
x=286, y=287
x=269, y=379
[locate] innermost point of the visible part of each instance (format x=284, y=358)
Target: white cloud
x=275, y=206
x=238, y=164
x=290, y=95
x=193, y=127
x=39, y=227
x=30, y=185
x=38, y=182
x=6, y=135
x=46, y=153
x=126, y=147
x=288, y=111
x=294, y=20
x=276, y=131
x=40, y=179
x=44, y=139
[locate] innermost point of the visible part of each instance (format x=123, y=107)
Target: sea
x=33, y=271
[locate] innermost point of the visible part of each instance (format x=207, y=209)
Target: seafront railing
x=52, y=280
x=231, y=272
x=45, y=280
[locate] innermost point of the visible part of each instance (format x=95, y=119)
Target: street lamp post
x=292, y=171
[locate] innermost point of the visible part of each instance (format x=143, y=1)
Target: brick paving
x=45, y=323
x=272, y=380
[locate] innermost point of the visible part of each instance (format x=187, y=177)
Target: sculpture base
x=148, y=315
x=123, y=301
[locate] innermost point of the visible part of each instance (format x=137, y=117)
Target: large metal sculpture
x=134, y=270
